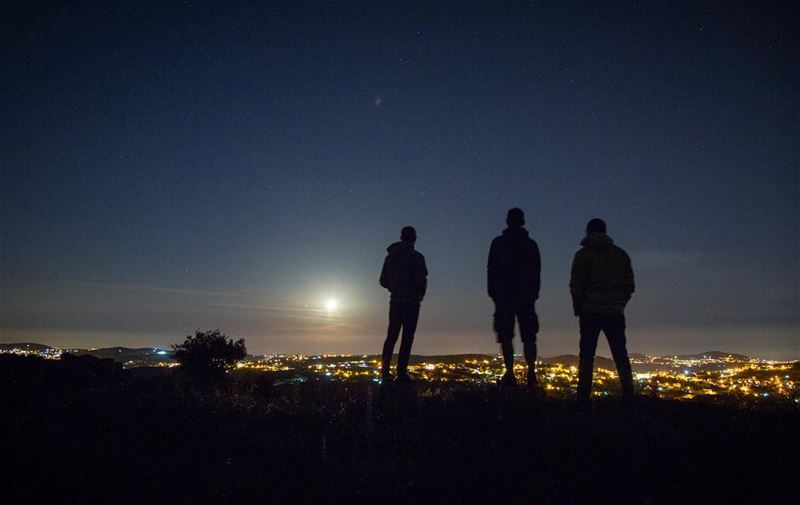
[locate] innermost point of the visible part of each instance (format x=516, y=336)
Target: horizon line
x=332, y=354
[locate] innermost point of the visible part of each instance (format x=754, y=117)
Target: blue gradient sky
x=182, y=165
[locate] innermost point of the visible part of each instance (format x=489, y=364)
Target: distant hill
x=143, y=356
x=27, y=347
x=112, y=352
x=715, y=355
x=414, y=359
x=573, y=360
x=448, y=358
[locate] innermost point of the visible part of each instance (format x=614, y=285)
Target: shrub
x=208, y=354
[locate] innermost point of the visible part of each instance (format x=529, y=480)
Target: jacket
x=602, y=277
x=514, y=268
x=404, y=273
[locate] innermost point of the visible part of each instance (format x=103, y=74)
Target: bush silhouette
x=208, y=354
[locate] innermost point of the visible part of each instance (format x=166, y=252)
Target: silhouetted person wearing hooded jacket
x=405, y=275
x=601, y=285
x=513, y=277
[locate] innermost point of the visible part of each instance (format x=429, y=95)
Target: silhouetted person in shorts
x=513, y=274
x=601, y=285
x=405, y=275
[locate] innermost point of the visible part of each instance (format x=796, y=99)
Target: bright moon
x=331, y=305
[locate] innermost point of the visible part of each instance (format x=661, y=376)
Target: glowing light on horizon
x=331, y=305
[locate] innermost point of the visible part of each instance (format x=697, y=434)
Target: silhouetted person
x=601, y=285
x=513, y=280
x=405, y=275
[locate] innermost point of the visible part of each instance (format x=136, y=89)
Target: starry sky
x=173, y=166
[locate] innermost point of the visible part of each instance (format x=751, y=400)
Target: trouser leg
x=504, y=329
x=530, y=360
x=528, y=328
x=508, y=355
x=590, y=331
x=410, y=317
x=615, y=333
x=392, y=332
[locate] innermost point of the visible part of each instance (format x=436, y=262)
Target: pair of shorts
x=505, y=316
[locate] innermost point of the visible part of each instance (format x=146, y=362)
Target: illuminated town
x=708, y=375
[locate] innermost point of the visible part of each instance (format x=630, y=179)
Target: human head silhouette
x=408, y=234
x=596, y=225
x=515, y=218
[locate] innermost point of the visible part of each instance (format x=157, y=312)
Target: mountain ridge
x=570, y=359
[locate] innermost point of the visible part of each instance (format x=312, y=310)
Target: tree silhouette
x=208, y=354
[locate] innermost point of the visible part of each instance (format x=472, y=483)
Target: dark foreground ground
x=87, y=432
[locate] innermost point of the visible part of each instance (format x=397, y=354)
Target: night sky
x=186, y=165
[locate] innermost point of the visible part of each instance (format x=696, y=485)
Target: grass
x=89, y=432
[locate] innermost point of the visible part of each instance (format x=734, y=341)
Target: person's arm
x=422, y=277
x=384, y=280
x=537, y=271
x=577, y=282
x=491, y=271
x=627, y=277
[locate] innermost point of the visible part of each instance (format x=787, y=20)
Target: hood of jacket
x=597, y=241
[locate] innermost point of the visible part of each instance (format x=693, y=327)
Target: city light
x=671, y=377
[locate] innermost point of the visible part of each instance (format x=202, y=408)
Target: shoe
x=403, y=378
x=532, y=382
x=387, y=378
x=507, y=380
